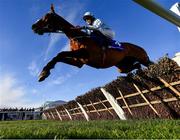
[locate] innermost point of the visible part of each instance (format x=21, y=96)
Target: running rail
x=159, y=10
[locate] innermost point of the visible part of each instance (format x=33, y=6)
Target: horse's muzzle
x=36, y=29
x=33, y=27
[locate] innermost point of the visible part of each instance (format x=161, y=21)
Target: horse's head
x=49, y=23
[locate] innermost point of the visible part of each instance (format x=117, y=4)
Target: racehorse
x=85, y=50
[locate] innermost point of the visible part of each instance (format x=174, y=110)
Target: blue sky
x=23, y=53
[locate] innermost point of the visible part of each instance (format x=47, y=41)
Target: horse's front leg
x=68, y=57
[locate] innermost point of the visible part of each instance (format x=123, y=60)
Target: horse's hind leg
x=146, y=61
x=142, y=57
x=126, y=68
x=138, y=53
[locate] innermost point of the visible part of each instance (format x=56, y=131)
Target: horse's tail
x=138, y=53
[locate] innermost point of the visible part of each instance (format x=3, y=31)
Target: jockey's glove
x=84, y=27
x=80, y=27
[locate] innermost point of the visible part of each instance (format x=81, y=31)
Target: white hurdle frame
x=83, y=111
x=119, y=111
x=68, y=113
x=159, y=10
x=58, y=114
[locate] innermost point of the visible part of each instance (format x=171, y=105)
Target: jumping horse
x=85, y=50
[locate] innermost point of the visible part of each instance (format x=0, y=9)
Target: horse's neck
x=69, y=29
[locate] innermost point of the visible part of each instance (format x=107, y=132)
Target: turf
x=116, y=129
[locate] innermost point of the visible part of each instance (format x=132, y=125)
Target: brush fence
x=160, y=101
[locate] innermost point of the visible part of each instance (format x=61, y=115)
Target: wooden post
x=169, y=86
x=58, y=114
x=86, y=108
x=73, y=111
x=83, y=111
x=119, y=111
x=61, y=113
x=25, y=116
x=146, y=99
x=106, y=107
x=125, y=102
x=94, y=108
x=3, y=118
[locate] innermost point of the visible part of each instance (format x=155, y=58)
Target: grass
x=116, y=129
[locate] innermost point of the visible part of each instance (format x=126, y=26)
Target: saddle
x=105, y=42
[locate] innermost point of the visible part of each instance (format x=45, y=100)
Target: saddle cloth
x=116, y=45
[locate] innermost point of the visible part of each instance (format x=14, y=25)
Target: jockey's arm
x=89, y=28
x=85, y=28
x=97, y=24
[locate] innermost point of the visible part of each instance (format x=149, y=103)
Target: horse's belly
x=95, y=64
x=109, y=58
x=99, y=64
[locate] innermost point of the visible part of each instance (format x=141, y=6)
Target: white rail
x=159, y=10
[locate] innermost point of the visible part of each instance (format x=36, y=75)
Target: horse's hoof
x=137, y=66
x=44, y=74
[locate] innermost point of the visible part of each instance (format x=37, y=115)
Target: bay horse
x=85, y=50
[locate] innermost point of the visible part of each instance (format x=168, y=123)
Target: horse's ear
x=52, y=8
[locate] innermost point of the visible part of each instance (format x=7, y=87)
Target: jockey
x=98, y=30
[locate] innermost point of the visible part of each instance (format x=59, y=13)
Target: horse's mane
x=70, y=28
x=65, y=21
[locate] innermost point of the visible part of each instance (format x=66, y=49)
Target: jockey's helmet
x=88, y=15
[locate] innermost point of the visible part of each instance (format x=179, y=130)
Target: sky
x=23, y=53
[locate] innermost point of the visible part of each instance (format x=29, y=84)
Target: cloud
x=13, y=93
x=61, y=79
x=33, y=68
x=10, y=93
x=34, y=91
x=54, y=39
